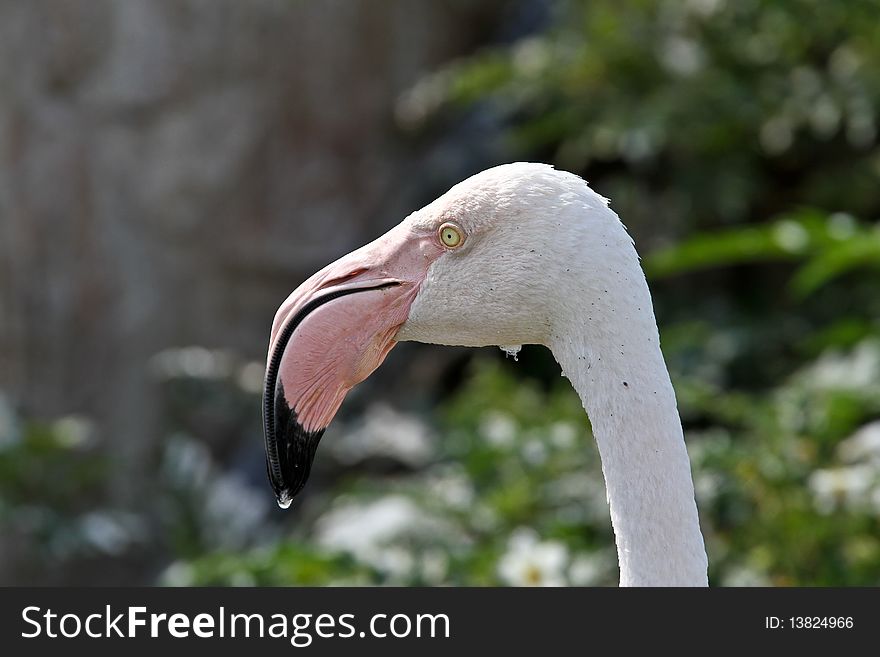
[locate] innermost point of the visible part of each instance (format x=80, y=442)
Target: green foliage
x=700, y=111
x=829, y=247
x=787, y=485
x=514, y=459
x=52, y=492
x=50, y=464
x=788, y=490
x=281, y=563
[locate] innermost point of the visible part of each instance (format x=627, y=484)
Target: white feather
x=546, y=261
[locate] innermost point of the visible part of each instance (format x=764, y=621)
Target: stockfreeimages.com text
x=300, y=629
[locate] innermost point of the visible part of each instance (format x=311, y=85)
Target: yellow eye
x=451, y=235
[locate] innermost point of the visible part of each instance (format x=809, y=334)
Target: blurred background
x=171, y=169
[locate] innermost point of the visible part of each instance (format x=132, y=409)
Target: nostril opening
x=344, y=279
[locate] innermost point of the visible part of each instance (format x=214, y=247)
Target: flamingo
x=518, y=254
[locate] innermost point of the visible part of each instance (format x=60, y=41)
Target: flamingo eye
x=451, y=235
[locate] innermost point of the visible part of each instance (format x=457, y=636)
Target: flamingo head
x=479, y=266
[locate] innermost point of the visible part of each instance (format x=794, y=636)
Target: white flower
x=484, y=517
x=532, y=562
x=360, y=527
x=112, y=532
x=704, y=7
x=375, y=533
x=233, y=512
x=682, y=56
x=850, y=487
x=250, y=377
x=74, y=431
x=242, y=579
x=192, y=362
x=499, y=429
x=386, y=433
x=452, y=487
x=186, y=463
x=742, y=576
x=824, y=117
x=179, y=573
x=706, y=486
x=791, y=236
x=857, y=370
x=844, y=63
x=396, y=562
x=434, y=566
x=534, y=452
x=587, y=570
x=863, y=445
x=563, y=435
x=776, y=135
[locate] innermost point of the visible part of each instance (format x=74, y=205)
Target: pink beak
x=328, y=336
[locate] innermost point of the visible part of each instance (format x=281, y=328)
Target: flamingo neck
x=609, y=348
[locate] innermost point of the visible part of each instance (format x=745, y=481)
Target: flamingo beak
x=328, y=336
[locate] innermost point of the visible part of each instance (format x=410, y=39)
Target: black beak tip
x=290, y=451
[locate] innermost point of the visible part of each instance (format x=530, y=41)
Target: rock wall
x=171, y=169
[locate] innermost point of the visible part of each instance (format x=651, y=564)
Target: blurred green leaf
x=857, y=251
